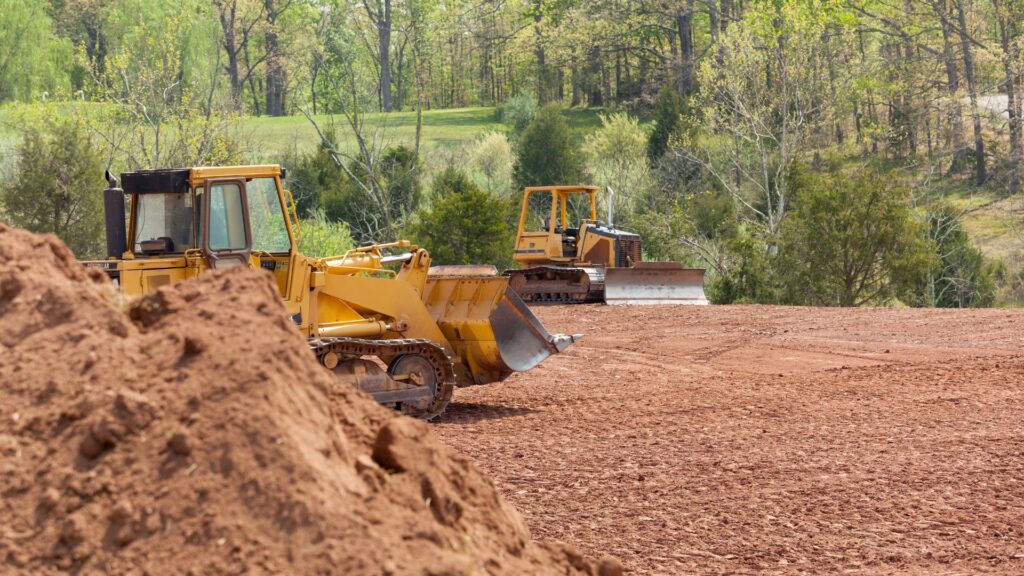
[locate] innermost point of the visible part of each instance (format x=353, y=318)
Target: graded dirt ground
x=743, y=439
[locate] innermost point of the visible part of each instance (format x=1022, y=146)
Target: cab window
x=227, y=225
x=267, y=217
x=167, y=218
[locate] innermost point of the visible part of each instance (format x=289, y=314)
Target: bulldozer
x=566, y=261
x=376, y=316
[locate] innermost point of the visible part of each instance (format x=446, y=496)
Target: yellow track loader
x=375, y=316
x=573, y=258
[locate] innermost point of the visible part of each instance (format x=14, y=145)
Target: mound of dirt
x=195, y=434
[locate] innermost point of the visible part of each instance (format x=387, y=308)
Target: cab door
x=226, y=233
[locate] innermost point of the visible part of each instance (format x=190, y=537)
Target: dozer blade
x=490, y=327
x=654, y=283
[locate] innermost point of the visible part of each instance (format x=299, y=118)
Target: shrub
x=850, y=241
x=463, y=225
x=315, y=180
x=547, y=151
x=957, y=276
x=57, y=187
x=490, y=159
x=321, y=237
x=518, y=111
x=668, y=109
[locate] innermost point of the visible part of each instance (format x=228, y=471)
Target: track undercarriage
x=558, y=284
x=419, y=377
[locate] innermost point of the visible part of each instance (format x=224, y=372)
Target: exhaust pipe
x=114, y=218
x=611, y=203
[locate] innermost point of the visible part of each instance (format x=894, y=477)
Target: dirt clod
x=180, y=444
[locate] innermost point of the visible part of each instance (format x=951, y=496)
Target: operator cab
x=552, y=219
x=229, y=217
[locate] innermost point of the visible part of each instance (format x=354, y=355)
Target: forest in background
x=821, y=152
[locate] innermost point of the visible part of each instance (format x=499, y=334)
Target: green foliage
x=57, y=187
x=958, y=276
x=316, y=181
x=616, y=158
x=320, y=237
x=394, y=199
x=850, y=241
x=749, y=277
x=547, y=152
x=490, y=160
x=668, y=109
x=463, y=224
x=518, y=111
x=32, y=61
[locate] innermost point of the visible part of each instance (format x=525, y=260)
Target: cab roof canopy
x=155, y=181
x=177, y=180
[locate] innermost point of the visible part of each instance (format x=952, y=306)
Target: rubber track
x=444, y=369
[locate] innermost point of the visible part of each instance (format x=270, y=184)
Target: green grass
x=269, y=139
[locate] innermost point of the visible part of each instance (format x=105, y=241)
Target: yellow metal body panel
x=462, y=308
x=548, y=247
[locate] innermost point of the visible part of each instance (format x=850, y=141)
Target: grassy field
x=268, y=139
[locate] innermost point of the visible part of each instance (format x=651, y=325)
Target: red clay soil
x=748, y=439
x=197, y=435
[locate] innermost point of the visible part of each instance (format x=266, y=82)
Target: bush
x=958, y=276
x=850, y=241
x=319, y=183
x=316, y=180
x=321, y=237
x=490, y=159
x=547, y=151
x=518, y=111
x=464, y=225
x=57, y=187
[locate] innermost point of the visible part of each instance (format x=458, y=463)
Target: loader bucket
x=654, y=283
x=491, y=330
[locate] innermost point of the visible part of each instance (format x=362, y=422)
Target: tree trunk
x=972, y=92
x=956, y=113
x=684, y=28
x=538, y=52
x=275, y=84
x=1009, y=32
x=384, y=46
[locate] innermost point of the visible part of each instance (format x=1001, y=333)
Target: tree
x=850, y=241
x=379, y=13
x=617, y=158
x=32, y=61
x=56, y=187
x=759, y=107
x=547, y=152
x=668, y=109
x=463, y=224
x=238, y=20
